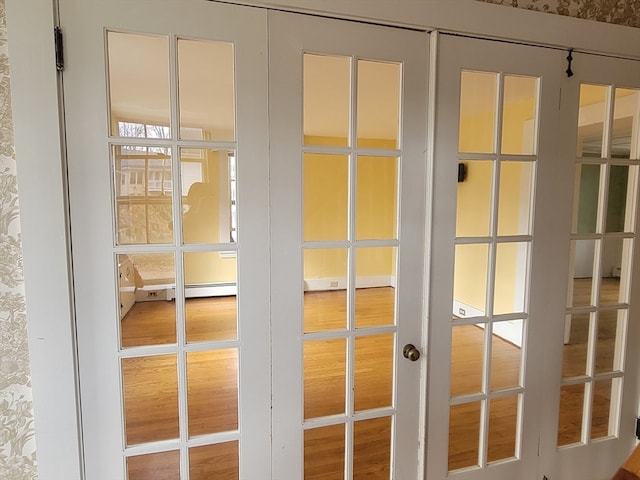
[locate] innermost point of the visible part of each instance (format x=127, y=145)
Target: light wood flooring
x=151, y=398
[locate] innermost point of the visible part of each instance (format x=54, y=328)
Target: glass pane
x=571, y=414
x=372, y=449
x=324, y=453
x=207, y=199
x=616, y=255
x=325, y=294
x=478, y=100
x=470, y=279
x=159, y=466
x=139, y=85
x=625, y=109
x=583, y=256
x=610, y=345
x=519, y=115
x=212, y=391
x=210, y=296
x=327, y=99
x=150, y=386
x=326, y=197
x=506, y=354
x=515, y=198
x=378, y=104
x=606, y=395
x=377, y=198
x=375, y=286
x=373, y=375
x=325, y=371
x=503, y=425
x=219, y=461
x=467, y=359
x=206, y=90
x=143, y=185
x=464, y=435
x=375, y=306
x=512, y=273
x=146, y=281
x=475, y=197
x=576, y=343
x=585, y=216
x=593, y=101
x=617, y=199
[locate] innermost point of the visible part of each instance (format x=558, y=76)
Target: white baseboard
x=463, y=310
x=153, y=293
x=340, y=283
x=506, y=330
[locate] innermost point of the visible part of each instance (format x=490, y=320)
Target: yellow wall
x=205, y=227
x=474, y=209
x=208, y=267
x=325, y=211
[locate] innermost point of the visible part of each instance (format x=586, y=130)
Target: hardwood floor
x=151, y=398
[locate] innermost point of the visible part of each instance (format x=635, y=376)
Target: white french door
x=590, y=429
x=207, y=296
x=166, y=127
x=534, y=271
x=348, y=174
x=493, y=258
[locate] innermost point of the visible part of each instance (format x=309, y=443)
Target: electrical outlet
x=333, y=284
x=462, y=311
x=152, y=294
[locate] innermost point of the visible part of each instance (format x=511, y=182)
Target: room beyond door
x=205, y=298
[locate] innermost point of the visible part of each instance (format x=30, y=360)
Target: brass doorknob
x=411, y=352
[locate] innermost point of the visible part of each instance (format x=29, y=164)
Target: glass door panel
x=492, y=272
x=206, y=88
x=602, y=242
x=145, y=200
x=347, y=372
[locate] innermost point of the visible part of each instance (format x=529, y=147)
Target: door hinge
x=638, y=428
x=57, y=33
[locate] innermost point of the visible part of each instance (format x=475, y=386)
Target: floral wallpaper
x=621, y=12
x=17, y=444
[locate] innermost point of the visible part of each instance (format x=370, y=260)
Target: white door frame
x=36, y=108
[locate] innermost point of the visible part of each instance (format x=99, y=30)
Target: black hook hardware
x=568, y=71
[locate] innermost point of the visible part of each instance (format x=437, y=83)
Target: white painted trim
x=505, y=330
x=340, y=283
x=43, y=217
x=509, y=331
x=323, y=284
x=475, y=18
x=463, y=310
x=153, y=293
